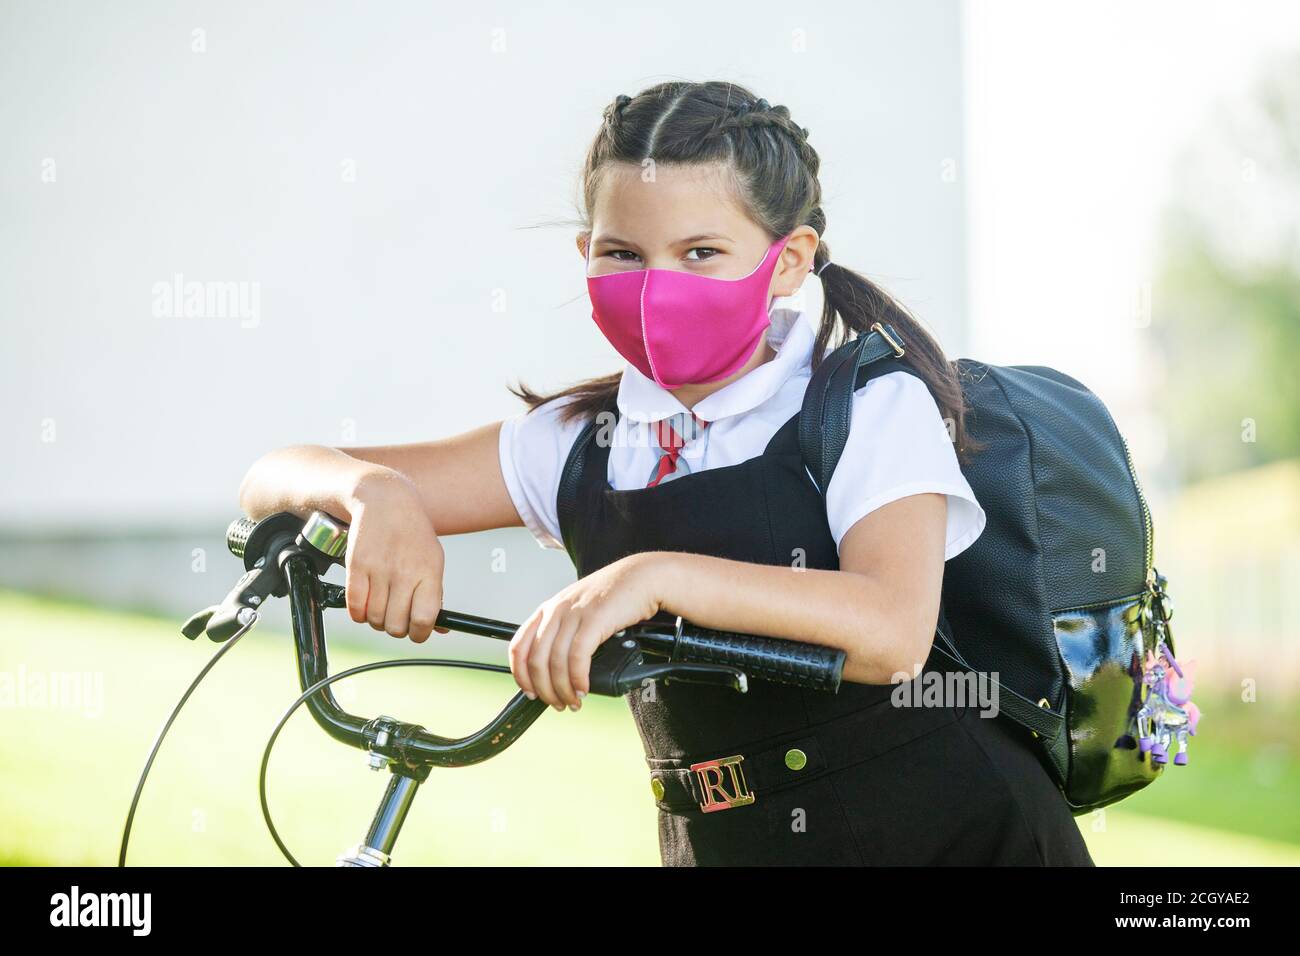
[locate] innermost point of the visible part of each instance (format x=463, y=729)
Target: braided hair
x=775, y=170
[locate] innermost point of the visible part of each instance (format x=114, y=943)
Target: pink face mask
x=679, y=328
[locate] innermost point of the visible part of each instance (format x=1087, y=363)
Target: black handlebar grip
x=237, y=535
x=764, y=658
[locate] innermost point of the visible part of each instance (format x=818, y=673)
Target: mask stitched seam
x=645, y=338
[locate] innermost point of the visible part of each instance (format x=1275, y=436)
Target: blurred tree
x=1226, y=298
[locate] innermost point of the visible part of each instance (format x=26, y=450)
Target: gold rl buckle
x=712, y=778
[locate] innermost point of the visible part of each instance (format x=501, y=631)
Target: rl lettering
x=714, y=775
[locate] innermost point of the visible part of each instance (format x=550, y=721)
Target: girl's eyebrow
x=700, y=237
x=613, y=239
x=706, y=235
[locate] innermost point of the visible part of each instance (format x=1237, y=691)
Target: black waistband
x=799, y=757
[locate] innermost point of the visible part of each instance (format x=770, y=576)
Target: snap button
x=657, y=788
x=796, y=759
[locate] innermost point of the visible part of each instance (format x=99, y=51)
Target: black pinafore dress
x=792, y=776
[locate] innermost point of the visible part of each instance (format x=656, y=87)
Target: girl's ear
x=583, y=239
x=796, y=260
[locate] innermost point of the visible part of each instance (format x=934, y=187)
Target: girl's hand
x=550, y=654
x=394, y=559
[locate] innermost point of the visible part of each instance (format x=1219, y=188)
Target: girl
x=705, y=265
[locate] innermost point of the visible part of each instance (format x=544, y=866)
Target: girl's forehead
x=667, y=198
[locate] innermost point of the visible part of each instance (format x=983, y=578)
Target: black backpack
x=1023, y=603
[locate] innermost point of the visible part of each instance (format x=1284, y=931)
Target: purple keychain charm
x=1167, y=715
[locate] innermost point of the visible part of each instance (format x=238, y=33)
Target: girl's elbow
x=918, y=649
x=888, y=654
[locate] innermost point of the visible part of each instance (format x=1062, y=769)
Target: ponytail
x=853, y=304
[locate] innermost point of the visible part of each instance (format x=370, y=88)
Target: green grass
x=1243, y=773
x=573, y=790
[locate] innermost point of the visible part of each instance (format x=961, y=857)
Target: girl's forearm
x=849, y=610
x=457, y=480
x=306, y=478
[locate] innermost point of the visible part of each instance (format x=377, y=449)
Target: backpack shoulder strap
x=823, y=432
x=1046, y=724
x=571, y=475
x=828, y=403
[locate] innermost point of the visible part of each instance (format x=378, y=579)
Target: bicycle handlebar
x=282, y=556
x=764, y=658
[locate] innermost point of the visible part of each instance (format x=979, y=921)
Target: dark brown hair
x=775, y=172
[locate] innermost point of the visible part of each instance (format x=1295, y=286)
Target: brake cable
x=270, y=744
x=167, y=725
x=326, y=682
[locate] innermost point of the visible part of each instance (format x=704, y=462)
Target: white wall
x=376, y=296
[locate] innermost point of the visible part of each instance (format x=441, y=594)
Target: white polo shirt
x=898, y=443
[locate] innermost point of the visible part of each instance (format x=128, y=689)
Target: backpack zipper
x=1148, y=545
x=1156, y=609
x=1153, y=590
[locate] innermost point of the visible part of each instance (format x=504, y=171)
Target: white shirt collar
x=795, y=319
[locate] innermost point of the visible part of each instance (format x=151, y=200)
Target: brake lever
x=619, y=666
x=222, y=621
x=717, y=675
x=720, y=675
x=263, y=546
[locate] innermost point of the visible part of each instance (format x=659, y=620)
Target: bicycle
x=285, y=556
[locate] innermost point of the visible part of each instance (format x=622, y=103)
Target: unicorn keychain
x=1167, y=713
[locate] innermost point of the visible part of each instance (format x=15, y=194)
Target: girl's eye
x=624, y=255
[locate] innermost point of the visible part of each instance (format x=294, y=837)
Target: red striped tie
x=671, y=441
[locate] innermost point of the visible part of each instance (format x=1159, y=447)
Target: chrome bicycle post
x=377, y=849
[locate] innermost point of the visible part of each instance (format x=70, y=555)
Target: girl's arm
x=458, y=480
x=396, y=500
x=881, y=607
